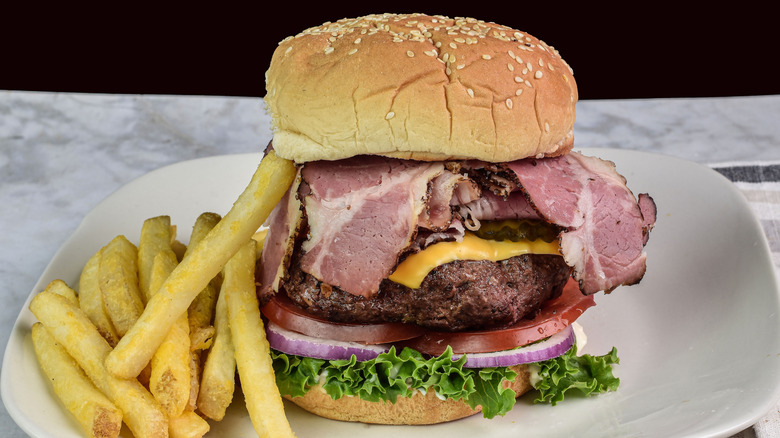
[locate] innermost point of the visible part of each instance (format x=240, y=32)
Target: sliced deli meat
x=283, y=225
x=605, y=228
x=359, y=224
x=361, y=221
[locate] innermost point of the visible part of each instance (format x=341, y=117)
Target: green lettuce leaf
x=392, y=375
x=587, y=374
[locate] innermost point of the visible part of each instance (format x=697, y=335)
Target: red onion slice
x=299, y=344
x=549, y=348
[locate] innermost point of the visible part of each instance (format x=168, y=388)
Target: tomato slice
x=282, y=311
x=554, y=316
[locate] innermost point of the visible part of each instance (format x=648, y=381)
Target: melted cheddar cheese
x=416, y=267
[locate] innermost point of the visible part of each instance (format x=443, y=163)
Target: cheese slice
x=416, y=267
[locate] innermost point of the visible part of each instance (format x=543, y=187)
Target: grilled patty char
x=460, y=295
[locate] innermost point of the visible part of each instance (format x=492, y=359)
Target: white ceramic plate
x=698, y=338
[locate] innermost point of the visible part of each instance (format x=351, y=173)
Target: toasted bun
x=418, y=409
x=419, y=87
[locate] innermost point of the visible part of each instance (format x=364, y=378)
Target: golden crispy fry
x=201, y=338
x=118, y=274
x=201, y=311
x=170, y=378
x=188, y=425
x=75, y=332
x=91, y=300
x=96, y=414
x=253, y=355
x=267, y=186
x=59, y=287
x=179, y=248
x=203, y=225
x=155, y=237
x=218, y=380
x=195, y=367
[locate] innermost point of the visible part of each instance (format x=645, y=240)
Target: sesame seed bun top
x=419, y=87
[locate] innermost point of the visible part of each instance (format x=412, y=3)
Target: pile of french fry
x=154, y=333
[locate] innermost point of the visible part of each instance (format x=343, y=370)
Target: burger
x=442, y=236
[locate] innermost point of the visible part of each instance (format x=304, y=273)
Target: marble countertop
x=62, y=153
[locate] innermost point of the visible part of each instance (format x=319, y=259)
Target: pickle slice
x=517, y=230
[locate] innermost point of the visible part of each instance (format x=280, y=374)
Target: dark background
x=620, y=50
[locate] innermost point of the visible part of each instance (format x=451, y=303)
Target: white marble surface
x=60, y=154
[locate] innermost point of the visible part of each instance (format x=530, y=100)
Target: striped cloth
x=760, y=183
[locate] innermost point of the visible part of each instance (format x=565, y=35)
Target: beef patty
x=461, y=295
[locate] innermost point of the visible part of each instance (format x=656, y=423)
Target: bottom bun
x=418, y=409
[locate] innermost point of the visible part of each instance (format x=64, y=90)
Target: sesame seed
x=430, y=52
x=389, y=115
x=509, y=103
x=541, y=62
x=353, y=51
x=328, y=50
x=518, y=79
x=485, y=56
x=357, y=41
x=460, y=66
x=471, y=92
x=410, y=54
x=510, y=67
x=289, y=49
x=538, y=74
x=453, y=45
x=518, y=92
x=546, y=127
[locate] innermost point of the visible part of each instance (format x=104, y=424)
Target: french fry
x=75, y=332
x=155, y=237
x=217, y=383
x=188, y=425
x=170, y=380
x=91, y=299
x=253, y=355
x=96, y=414
x=195, y=366
x=118, y=275
x=201, y=310
x=59, y=287
x=267, y=186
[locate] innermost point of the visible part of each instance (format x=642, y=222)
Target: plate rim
x=20, y=418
